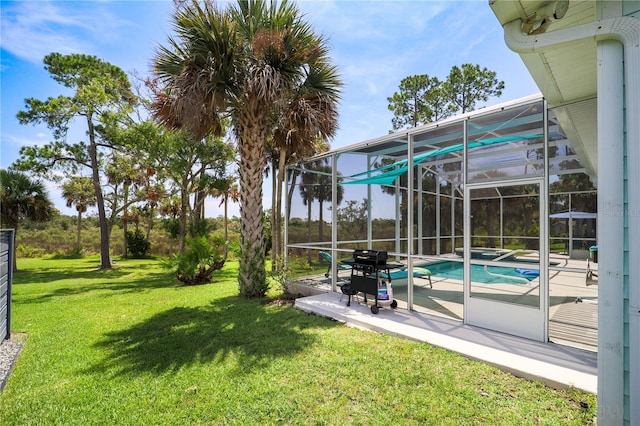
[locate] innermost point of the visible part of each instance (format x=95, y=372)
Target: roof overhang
x=566, y=73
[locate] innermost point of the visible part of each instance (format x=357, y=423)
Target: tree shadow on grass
x=111, y=278
x=53, y=274
x=79, y=280
x=53, y=270
x=245, y=333
x=107, y=288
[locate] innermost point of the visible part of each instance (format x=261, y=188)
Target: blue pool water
x=454, y=271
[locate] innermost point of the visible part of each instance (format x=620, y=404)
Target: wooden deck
x=575, y=324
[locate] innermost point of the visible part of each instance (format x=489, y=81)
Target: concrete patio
x=555, y=365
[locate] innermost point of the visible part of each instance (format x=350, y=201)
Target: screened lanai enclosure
x=492, y=215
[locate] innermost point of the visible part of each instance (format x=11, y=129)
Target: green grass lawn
x=131, y=347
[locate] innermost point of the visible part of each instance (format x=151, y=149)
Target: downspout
x=632, y=62
x=625, y=30
x=610, y=233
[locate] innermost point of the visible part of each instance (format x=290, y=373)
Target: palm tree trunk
x=184, y=199
x=274, y=217
x=278, y=213
x=292, y=187
x=251, y=135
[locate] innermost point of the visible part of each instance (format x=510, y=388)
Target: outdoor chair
x=592, y=273
x=326, y=256
x=417, y=272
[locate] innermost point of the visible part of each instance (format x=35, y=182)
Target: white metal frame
x=520, y=320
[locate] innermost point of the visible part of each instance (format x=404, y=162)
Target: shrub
x=71, y=253
x=172, y=227
x=137, y=244
x=282, y=276
x=200, y=228
x=234, y=248
x=23, y=250
x=198, y=262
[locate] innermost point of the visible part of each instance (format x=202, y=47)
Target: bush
x=198, y=262
x=70, y=253
x=23, y=250
x=200, y=228
x=172, y=227
x=281, y=275
x=137, y=244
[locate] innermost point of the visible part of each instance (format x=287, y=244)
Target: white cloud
x=373, y=88
x=31, y=30
x=23, y=141
x=370, y=22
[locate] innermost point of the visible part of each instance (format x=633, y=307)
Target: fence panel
x=6, y=276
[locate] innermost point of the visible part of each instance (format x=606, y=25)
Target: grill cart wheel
x=375, y=309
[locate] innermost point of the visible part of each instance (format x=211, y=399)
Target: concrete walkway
x=555, y=365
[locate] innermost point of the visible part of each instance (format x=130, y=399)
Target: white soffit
x=565, y=74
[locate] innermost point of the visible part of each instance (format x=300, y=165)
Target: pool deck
x=437, y=319
x=555, y=365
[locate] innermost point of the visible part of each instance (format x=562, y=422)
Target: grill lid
x=370, y=257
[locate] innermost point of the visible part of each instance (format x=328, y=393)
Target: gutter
x=614, y=217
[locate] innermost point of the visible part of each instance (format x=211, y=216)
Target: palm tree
x=254, y=62
x=324, y=192
x=127, y=175
x=307, y=193
x=170, y=208
x=287, y=150
x=79, y=190
x=228, y=192
x=20, y=199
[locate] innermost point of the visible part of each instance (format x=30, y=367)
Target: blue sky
x=375, y=44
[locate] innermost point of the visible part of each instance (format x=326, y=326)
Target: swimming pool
x=454, y=271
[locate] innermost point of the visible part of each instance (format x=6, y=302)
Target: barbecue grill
x=370, y=275
x=370, y=257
